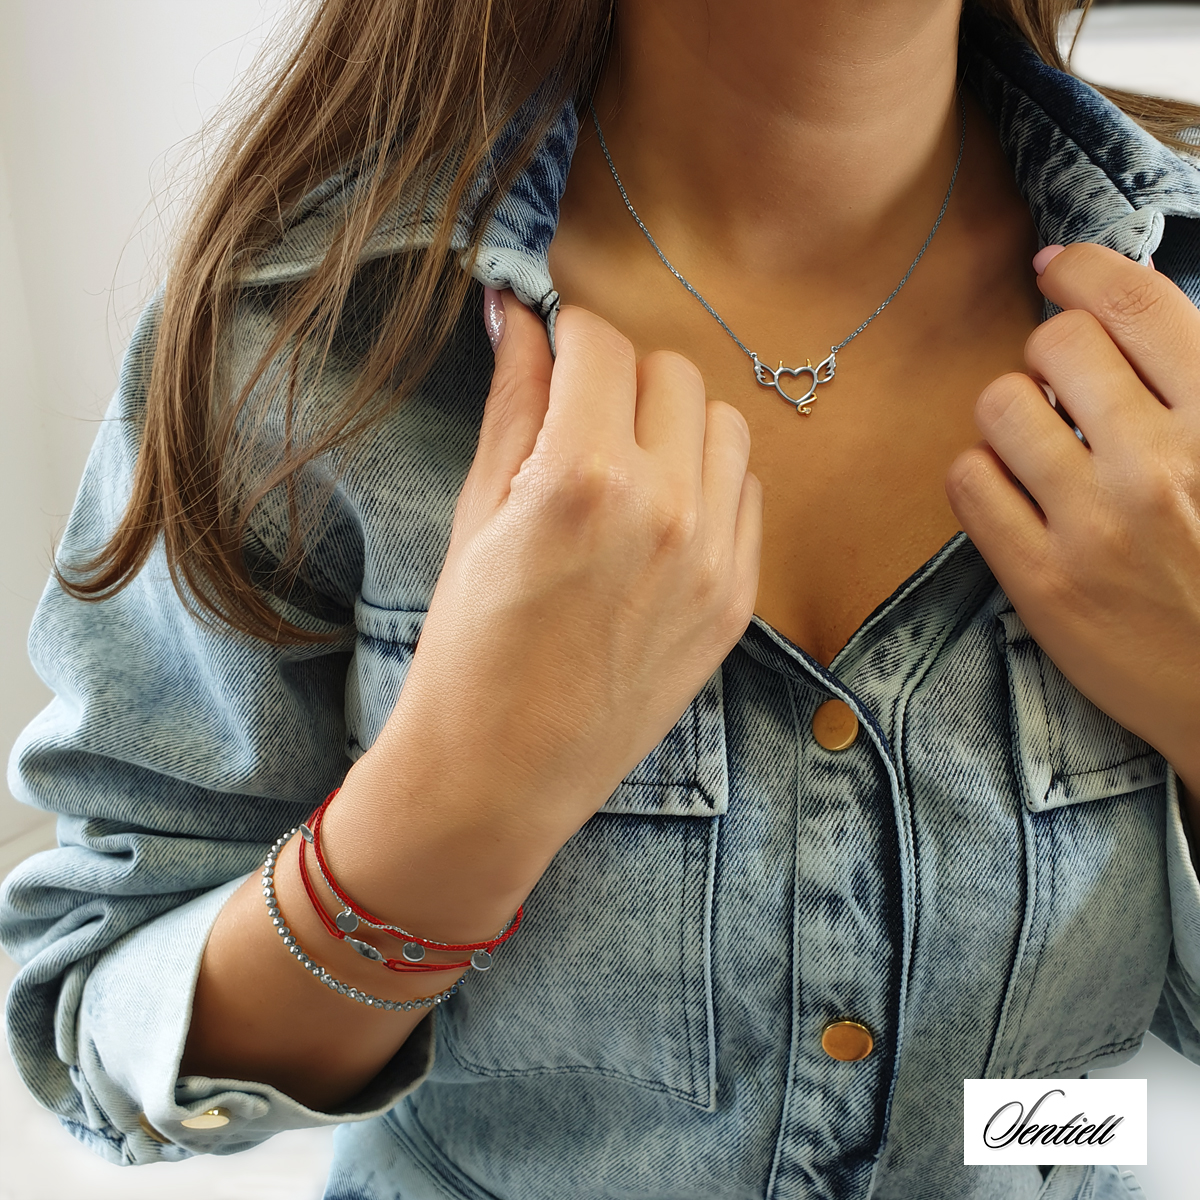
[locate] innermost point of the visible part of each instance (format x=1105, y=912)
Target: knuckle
x=1132, y=301
x=1058, y=331
x=996, y=401
x=671, y=369
x=576, y=327
x=584, y=485
x=966, y=473
x=1161, y=485
x=675, y=526
x=1153, y=480
x=729, y=421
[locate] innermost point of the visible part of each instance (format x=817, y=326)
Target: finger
x=748, y=529
x=747, y=539
x=1007, y=529
x=1155, y=326
x=1035, y=444
x=726, y=453
x=671, y=413
x=1091, y=378
x=593, y=391
x=517, y=401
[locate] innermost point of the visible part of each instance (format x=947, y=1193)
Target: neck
x=728, y=119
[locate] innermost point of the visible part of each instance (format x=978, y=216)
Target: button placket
x=847, y=965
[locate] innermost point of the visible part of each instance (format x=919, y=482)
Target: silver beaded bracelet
x=318, y=972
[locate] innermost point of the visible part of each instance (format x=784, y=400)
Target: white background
x=95, y=98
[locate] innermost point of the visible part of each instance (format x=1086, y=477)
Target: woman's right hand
x=603, y=561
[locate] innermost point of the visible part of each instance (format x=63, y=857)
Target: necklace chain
x=771, y=376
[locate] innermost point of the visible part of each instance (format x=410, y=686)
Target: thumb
x=519, y=396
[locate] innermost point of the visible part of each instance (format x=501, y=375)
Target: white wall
x=94, y=94
x=96, y=97
x=1143, y=48
x=25, y=469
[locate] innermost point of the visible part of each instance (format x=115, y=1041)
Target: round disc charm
x=481, y=960
x=413, y=951
x=346, y=921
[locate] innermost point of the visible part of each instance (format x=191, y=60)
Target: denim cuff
x=133, y=1020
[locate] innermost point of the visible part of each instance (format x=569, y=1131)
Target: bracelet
x=319, y=972
x=414, y=948
x=400, y=965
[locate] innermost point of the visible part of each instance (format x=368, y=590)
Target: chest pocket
x=611, y=973
x=1092, y=955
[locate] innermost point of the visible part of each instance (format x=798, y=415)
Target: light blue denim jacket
x=994, y=878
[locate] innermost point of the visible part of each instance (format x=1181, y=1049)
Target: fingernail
x=1150, y=263
x=1042, y=258
x=493, y=316
x=1050, y=395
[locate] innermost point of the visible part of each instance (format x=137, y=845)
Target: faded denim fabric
x=995, y=878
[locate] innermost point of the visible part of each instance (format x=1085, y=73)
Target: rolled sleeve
x=174, y=752
x=132, y=1023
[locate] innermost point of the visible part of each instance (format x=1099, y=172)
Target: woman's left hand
x=1103, y=564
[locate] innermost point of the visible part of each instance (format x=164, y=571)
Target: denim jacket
x=994, y=878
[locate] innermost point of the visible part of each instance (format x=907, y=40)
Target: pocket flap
x=686, y=774
x=1067, y=750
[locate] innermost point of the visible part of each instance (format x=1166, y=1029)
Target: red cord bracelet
x=401, y=966
x=347, y=921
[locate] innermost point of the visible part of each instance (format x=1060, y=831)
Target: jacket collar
x=1088, y=172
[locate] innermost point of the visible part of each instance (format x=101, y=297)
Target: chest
x=854, y=498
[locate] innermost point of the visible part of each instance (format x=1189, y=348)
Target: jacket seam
x=571, y=1069
x=1065, y=1064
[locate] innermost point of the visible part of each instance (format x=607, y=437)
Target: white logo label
x=1045, y=1122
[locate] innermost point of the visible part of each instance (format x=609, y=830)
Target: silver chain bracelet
x=318, y=972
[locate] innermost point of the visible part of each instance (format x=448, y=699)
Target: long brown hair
x=385, y=87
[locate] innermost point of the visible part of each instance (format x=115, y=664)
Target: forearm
x=257, y=1015
x=424, y=836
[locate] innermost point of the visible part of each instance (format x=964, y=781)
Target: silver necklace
x=772, y=377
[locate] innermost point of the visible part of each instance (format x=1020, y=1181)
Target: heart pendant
x=804, y=403
x=771, y=377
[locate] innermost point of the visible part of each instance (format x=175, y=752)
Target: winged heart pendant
x=772, y=377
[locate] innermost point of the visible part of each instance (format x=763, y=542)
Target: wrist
x=445, y=833
x=297, y=921
x=417, y=858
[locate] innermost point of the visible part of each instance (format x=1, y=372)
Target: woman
x=810, y=806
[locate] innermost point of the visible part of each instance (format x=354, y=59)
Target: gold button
x=847, y=1041
x=151, y=1132
x=213, y=1119
x=834, y=725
